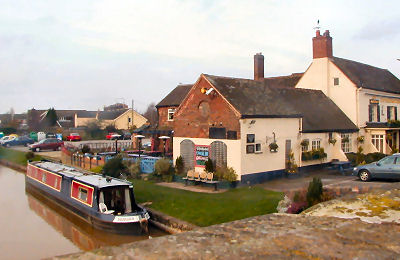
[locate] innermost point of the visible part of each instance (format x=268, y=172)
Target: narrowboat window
x=83, y=194
x=117, y=199
x=44, y=177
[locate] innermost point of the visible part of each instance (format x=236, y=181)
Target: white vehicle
x=41, y=136
x=6, y=139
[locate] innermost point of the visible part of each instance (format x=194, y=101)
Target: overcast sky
x=81, y=54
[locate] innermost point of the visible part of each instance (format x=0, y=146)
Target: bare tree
x=151, y=113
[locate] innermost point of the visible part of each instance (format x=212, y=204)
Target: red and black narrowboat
x=104, y=202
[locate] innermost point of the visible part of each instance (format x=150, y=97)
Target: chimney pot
x=317, y=33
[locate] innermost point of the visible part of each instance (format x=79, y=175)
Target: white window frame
x=377, y=141
x=316, y=144
x=170, y=115
x=346, y=147
x=257, y=150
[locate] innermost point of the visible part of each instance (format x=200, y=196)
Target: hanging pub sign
x=201, y=153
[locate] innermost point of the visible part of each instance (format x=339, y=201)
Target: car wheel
x=37, y=149
x=364, y=175
x=8, y=145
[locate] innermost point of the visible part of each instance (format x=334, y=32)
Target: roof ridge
x=365, y=64
x=295, y=74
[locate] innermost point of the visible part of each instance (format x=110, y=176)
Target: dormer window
x=171, y=112
x=336, y=81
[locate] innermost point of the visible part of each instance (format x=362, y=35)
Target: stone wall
x=270, y=236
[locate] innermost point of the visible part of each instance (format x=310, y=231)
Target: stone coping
x=274, y=236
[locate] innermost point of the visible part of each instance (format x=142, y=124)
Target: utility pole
x=132, y=115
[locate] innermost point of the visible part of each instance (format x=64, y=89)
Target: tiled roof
x=176, y=96
x=110, y=115
x=259, y=99
x=86, y=114
x=369, y=77
x=289, y=81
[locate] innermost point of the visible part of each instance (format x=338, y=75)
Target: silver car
x=388, y=167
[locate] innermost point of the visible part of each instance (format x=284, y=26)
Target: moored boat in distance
x=104, y=202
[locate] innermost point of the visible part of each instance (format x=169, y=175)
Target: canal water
x=34, y=228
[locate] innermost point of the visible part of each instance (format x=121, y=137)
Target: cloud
x=379, y=30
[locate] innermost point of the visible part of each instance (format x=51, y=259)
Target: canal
x=33, y=228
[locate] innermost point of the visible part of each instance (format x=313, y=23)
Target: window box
x=313, y=155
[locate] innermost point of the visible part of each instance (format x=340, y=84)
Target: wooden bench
x=202, y=177
x=209, y=180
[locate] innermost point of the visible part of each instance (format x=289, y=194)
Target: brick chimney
x=322, y=45
x=258, y=66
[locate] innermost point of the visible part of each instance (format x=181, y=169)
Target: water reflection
x=34, y=229
x=77, y=231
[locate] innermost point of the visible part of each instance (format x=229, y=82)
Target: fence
x=89, y=162
x=104, y=146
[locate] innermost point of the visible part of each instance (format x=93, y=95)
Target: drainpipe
x=358, y=106
x=301, y=138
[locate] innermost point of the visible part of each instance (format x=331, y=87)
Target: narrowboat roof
x=79, y=175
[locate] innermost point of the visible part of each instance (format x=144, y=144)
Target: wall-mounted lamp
x=206, y=91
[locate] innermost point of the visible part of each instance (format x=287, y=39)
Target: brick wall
x=163, y=117
x=194, y=120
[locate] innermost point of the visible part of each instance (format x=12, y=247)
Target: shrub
x=291, y=166
x=209, y=166
x=114, y=167
x=360, y=157
x=314, y=155
x=97, y=169
x=111, y=128
x=297, y=207
x=163, y=167
x=85, y=149
x=372, y=157
x=284, y=205
x=314, y=192
x=29, y=155
x=226, y=173
x=135, y=170
x=179, y=166
x=351, y=157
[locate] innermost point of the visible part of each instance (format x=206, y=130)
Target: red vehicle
x=74, y=137
x=47, y=144
x=113, y=136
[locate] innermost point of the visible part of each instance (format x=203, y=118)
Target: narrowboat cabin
x=104, y=202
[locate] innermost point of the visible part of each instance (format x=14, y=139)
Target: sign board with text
x=201, y=154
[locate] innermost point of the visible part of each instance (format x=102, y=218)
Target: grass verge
x=204, y=209
x=16, y=156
